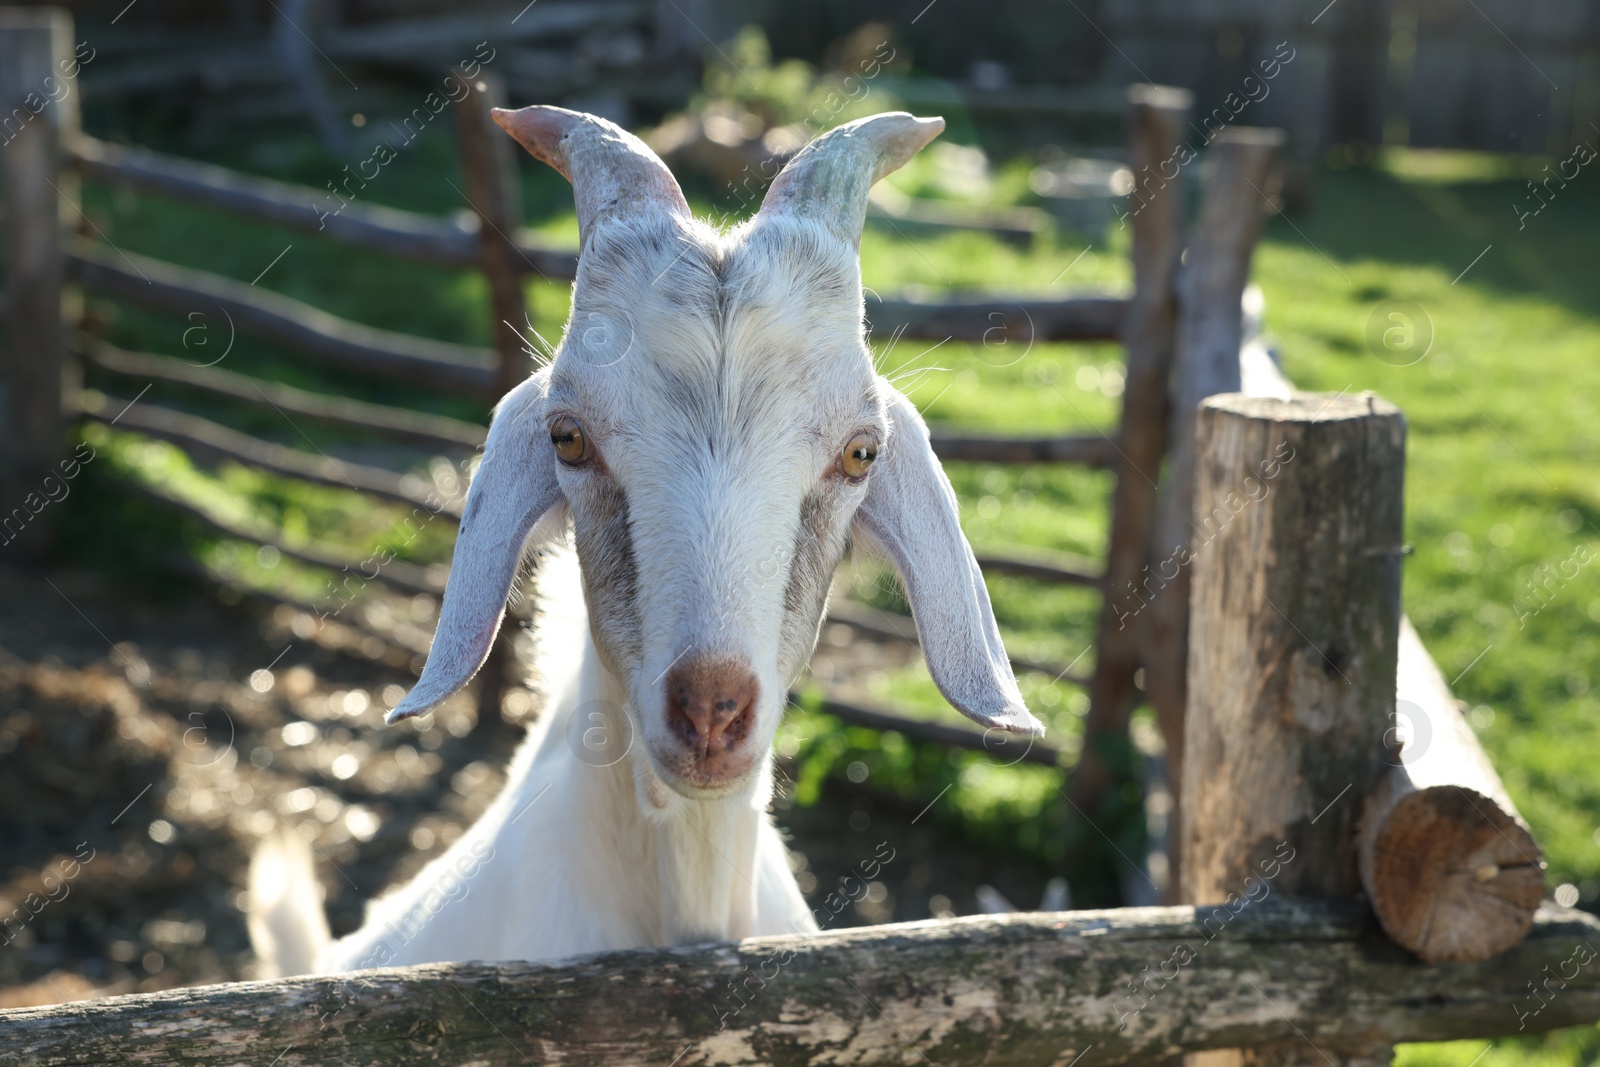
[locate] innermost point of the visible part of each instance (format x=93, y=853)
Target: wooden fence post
x=1295, y=624
x=1211, y=285
x=38, y=111
x=1157, y=126
x=489, y=167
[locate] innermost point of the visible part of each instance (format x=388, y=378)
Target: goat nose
x=711, y=705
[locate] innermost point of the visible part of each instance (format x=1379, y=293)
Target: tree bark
x=1450, y=867
x=1024, y=989
x=1295, y=617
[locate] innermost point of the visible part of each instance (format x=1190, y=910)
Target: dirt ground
x=146, y=742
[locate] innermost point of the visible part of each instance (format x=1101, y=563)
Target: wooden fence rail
x=205, y=438
x=295, y=325
x=1092, y=988
x=386, y=230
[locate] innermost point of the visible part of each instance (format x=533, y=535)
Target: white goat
x=705, y=433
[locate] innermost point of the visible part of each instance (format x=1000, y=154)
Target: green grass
x=1504, y=415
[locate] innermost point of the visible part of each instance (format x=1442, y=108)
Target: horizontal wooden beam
x=386, y=230
x=1089, y=450
x=1004, y=325
x=299, y=327
x=892, y=626
x=397, y=574
x=430, y=36
x=1004, y=747
x=339, y=627
x=433, y=431
x=1042, y=570
x=202, y=437
x=1091, y=988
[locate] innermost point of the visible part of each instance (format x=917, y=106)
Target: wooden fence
x=49, y=253
x=1299, y=655
x=1275, y=660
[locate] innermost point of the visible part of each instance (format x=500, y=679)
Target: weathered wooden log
x=490, y=172
x=437, y=38
x=1095, y=988
x=398, y=574
x=884, y=624
x=1205, y=362
x=1006, y=748
x=1449, y=866
x=1157, y=126
x=1295, y=622
x=1297, y=596
x=339, y=625
x=1043, y=571
x=389, y=231
x=202, y=437
x=1090, y=450
x=300, y=327
x=996, y=320
x=36, y=56
x=911, y=216
x=433, y=431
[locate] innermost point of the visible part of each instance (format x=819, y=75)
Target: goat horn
x=613, y=173
x=830, y=177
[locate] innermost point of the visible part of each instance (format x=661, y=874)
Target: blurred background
x=202, y=625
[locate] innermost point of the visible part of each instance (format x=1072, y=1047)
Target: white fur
x=567, y=861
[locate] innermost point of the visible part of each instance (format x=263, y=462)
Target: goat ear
x=515, y=485
x=910, y=512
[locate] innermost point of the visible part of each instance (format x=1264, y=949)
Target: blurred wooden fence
x=50, y=246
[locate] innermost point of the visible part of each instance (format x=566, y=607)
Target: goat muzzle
x=711, y=712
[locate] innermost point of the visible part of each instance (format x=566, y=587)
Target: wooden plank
x=386, y=230
x=306, y=330
x=1295, y=621
x=198, y=436
x=1450, y=866
x=1000, y=990
x=1205, y=362
x=36, y=49
x=1090, y=450
x=433, y=431
x=1157, y=126
x=998, y=319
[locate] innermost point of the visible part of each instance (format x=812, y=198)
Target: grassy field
x=1504, y=413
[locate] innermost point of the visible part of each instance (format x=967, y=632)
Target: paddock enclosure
x=1337, y=890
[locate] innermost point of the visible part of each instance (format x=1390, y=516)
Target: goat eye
x=572, y=447
x=858, y=454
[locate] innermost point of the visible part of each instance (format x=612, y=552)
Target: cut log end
x=1454, y=877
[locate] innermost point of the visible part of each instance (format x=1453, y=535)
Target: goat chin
x=570, y=858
